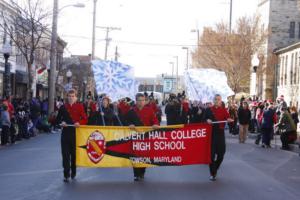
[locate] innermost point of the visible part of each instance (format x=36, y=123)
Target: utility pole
x=51, y=85
x=107, y=39
x=94, y=30
x=172, y=63
x=177, y=78
x=198, y=44
x=116, y=54
x=187, y=57
x=230, y=17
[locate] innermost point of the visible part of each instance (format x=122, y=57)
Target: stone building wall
x=277, y=16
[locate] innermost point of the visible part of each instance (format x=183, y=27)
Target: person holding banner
x=217, y=116
x=141, y=115
x=70, y=116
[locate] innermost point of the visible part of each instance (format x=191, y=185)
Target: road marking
x=31, y=172
x=33, y=149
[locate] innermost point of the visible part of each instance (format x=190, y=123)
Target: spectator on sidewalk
x=5, y=119
x=287, y=128
x=294, y=114
x=268, y=120
x=233, y=129
x=259, y=117
x=22, y=116
x=244, y=116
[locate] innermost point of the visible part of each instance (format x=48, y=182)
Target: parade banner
x=101, y=146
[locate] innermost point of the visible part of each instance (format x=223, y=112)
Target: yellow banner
x=104, y=146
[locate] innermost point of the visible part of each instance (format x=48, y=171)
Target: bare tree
x=231, y=52
x=26, y=29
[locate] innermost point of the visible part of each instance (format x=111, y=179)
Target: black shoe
x=142, y=176
x=136, y=178
x=73, y=176
x=66, y=180
x=212, y=178
x=285, y=148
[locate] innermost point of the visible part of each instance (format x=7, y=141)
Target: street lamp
x=53, y=51
x=6, y=50
x=255, y=64
x=69, y=75
x=187, y=57
x=77, y=5
x=84, y=88
x=172, y=63
x=198, y=40
x=176, y=57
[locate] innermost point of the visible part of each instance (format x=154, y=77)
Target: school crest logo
x=96, y=147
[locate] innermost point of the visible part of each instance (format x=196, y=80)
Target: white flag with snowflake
x=114, y=79
x=204, y=83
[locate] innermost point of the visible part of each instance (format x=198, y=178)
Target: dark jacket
x=244, y=116
x=268, y=119
x=197, y=115
x=295, y=118
x=172, y=111
x=96, y=118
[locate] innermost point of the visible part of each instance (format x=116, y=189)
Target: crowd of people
x=24, y=119
x=267, y=119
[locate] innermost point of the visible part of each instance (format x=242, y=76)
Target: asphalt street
x=31, y=170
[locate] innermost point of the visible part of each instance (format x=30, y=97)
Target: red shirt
x=185, y=106
x=76, y=112
x=153, y=106
x=10, y=108
x=124, y=108
x=146, y=115
x=220, y=114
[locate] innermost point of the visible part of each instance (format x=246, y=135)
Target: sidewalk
x=275, y=143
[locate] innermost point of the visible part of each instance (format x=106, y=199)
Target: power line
x=172, y=45
x=151, y=44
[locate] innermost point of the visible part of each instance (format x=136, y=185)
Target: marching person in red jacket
x=141, y=115
x=71, y=113
x=217, y=113
x=123, y=109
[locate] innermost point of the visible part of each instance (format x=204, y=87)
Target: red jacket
x=123, y=108
x=185, y=106
x=76, y=112
x=10, y=108
x=220, y=114
x=146, y=116
x=153, y=106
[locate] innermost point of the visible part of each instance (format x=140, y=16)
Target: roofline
x=8, y=6
x=287, y=48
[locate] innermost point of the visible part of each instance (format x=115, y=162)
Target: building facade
x=281, y=18
x=288, y=79
x=19, y=70
x=158, y=84
x=81, y=78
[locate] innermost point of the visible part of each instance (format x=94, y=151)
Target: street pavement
x=31, y=170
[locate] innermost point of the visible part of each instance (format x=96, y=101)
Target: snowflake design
x=203, y=84
x=114, y=79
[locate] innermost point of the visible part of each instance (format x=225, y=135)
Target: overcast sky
x=153, y=31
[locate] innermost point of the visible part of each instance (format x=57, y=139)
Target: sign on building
x=168, y=85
